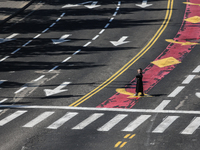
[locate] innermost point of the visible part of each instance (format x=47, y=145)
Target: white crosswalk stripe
x=136, y=123
x=38, y=119
x=165, y=124
x=88, y=121
x=62, y=120
x=110, y=124
x=12, y=117
x=193, y=126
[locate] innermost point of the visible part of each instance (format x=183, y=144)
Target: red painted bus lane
x=185, y=40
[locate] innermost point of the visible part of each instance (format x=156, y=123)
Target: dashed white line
x=45, y=30
x=188, y=79
x=197, y=69
x=176, y=91
x=68, y=58
x=192, y=126
x=4, y=58
x=115, y=13
x=162, y=105
x=117, y=8
x=42, y=76
x=5, y=99
x=16, y=51
x=58, y=19
x=62, y=14
x=101, y=31
x=21, y=89
x=53, y=68
x=37, y=36
x=119, y=3
x=52, y=25
x=76, y=52
x=111, y=19
x=88, y=43
x=27, y=43
x=106, y=26
x=94, y=38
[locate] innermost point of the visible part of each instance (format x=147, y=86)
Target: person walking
x=139, y=84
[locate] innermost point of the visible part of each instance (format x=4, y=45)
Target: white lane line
x=76, y=52
x=163, y=104
x=21, y=89
x=88, y=121
x=88, y=43
x=62, y=14
x=106, y=26
x=62, y=120
x=38, y=119
x=117, y=8
x=5, y=99
x=12, y=117
x=101, y=31
x=115, y=13
x=176, y=91
x=53, y=68
x=58, y=19
x=197, y=69
x=165, y=124
x=119, y=3
x=94, y=38
x=194, y=125
x=13, y=35
x=110, y=124
x=45, y=30
x=188, y=79
x=68, y=58
x=42, y=76
x=16, y=51
x=27, y=43
x=111, y=19
x=37, y=36
x=52, y=24
x=136, y=123
x=4, y=58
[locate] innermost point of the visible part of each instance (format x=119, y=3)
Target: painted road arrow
x=9, y=38
x=120, y=41
x=61, y=40
x=49, y=92
x=144, y=4
x=93, y=5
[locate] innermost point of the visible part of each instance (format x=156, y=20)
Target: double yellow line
x=134, y=59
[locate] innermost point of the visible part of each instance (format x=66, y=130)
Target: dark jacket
x=139, y=84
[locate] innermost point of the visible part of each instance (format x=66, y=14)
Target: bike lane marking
x=175, y=52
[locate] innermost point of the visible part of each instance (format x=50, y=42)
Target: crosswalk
x=131, y=126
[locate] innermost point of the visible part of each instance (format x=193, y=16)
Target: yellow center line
x=126, y=136
x=132, y=136
x=134, y=59
x=123, y=144
x=118, y=143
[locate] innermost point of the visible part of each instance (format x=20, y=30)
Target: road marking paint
x=68, y=58
x=16, y=51
x=123, y=144
x=2, y=81
x=136, y=123
x=52, y=24
x=27, y=43
x=176, y=91
x=53, y=68
x=62, y=120
x=4, y=58
x=117, y=8
x=197, y=69
x=163, y=104
x=5, y=99
x=76, y=52
x=132, y=136
x=58, y=19
x=95, y=37
x=42, y=76
x=21, y=89
x=126, y=136
x=101, y=31
x=62, y=14
x=88, y=121
x=165, y=124
x=37, y=36
x=115, y=13
x=194, y=125
x=133, y=60
x=118, y=143
x=119, y=3
x=111, y=19
x=12, y=117
x=88, y=43
x=45, y=30
x=38, y=119
x=188, y=79
x=110, y=124
x=106, y=26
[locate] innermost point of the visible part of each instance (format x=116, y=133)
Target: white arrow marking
x=120, y=41
x=61, y=40
x=9, y=38
x=144, y=4
x=75, y=5
x=93, y=5
x=57, y=90
x=198, y=94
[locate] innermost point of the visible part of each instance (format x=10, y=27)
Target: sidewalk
x=10, y=8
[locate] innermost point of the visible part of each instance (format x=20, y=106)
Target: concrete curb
x=16, y=13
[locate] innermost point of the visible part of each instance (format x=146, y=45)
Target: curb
x=16, y=13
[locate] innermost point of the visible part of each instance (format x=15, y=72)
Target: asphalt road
x=86, y=54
